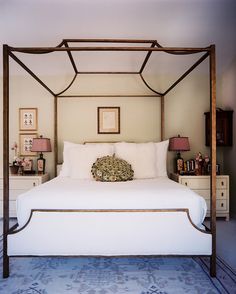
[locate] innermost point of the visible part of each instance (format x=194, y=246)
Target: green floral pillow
x=112, y=169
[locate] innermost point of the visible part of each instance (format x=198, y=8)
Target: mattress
x=67, y=193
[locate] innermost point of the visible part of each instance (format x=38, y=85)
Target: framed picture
x=26, y=141
x=108, y=120
x=28, y=119
x=28, y=165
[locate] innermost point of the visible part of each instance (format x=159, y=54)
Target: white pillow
x=161, y=158
x=65, y=169
x=110, y=145
x=81, y=159
x=141, y=156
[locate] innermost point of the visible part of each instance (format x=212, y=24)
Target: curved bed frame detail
x=112, y=226
x=108, y=210
x=65, y=47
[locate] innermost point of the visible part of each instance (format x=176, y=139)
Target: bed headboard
x=152, y=156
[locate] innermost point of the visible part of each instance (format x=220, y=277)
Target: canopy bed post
x=208, y=242
x=5, y=158
x=162, y=118
x=55, y=135
x=213, y=157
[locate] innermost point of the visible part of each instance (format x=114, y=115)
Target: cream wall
x=25, y=92
x=140, y=117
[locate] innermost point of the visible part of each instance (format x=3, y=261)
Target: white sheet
x=67, y=193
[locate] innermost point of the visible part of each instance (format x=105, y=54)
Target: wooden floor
x=226, y=241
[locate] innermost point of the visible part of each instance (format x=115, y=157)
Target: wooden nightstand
x=18, y=185
x=201, y=185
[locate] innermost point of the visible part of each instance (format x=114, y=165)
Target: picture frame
x=28, y=119
x=26, y=141
x=217, y=169
x=108, y=120
x=28, y=165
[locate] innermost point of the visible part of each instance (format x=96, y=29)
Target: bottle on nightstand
x=179, y=163
x=41, y=164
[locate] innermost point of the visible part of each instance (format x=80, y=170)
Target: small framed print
x=26, y=141
x=108, y=120
x=28, y=119
x=28, y=165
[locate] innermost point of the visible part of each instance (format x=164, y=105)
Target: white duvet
x=67, y=193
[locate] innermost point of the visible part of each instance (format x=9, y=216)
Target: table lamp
x=179, y=144
x=41, y=145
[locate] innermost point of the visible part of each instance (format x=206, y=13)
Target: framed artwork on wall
x=108, y=120
x=28, y=119
x=26, y=141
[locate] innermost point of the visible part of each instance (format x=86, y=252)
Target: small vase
x=14, y=169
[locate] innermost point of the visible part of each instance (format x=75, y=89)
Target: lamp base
x=179, y=163
x=41, y=162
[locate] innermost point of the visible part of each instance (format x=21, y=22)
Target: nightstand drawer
x=204, y=193
x=221, y=205
x=24, y=184
x=195, y=183
x=19, y=185
x=13, y=194
x=221, y=183
x=203, y=182
x=221, y=194
x=201, y=185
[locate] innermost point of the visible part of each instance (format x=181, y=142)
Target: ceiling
x=191, y=23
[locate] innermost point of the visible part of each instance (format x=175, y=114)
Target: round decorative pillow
x=112, y=169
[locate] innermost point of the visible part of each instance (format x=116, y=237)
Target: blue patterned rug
x=136, y=275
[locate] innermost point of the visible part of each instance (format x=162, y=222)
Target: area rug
x=135, y=275
x=109, y=275
x=225, y=275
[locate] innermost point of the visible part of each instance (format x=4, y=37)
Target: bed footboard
x=109, y=233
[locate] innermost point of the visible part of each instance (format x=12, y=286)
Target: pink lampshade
x=41, y=145
x=179, y=144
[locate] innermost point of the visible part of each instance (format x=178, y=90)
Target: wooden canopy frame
x=149, y=46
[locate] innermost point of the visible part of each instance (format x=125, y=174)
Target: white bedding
x=67, y=193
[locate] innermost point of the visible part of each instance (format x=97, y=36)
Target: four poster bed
x=151, y=215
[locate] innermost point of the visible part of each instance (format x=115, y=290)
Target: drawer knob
x=186, y=184
x=222, y=204
x=222, y=194
x=34, y=184
x=222, y=183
